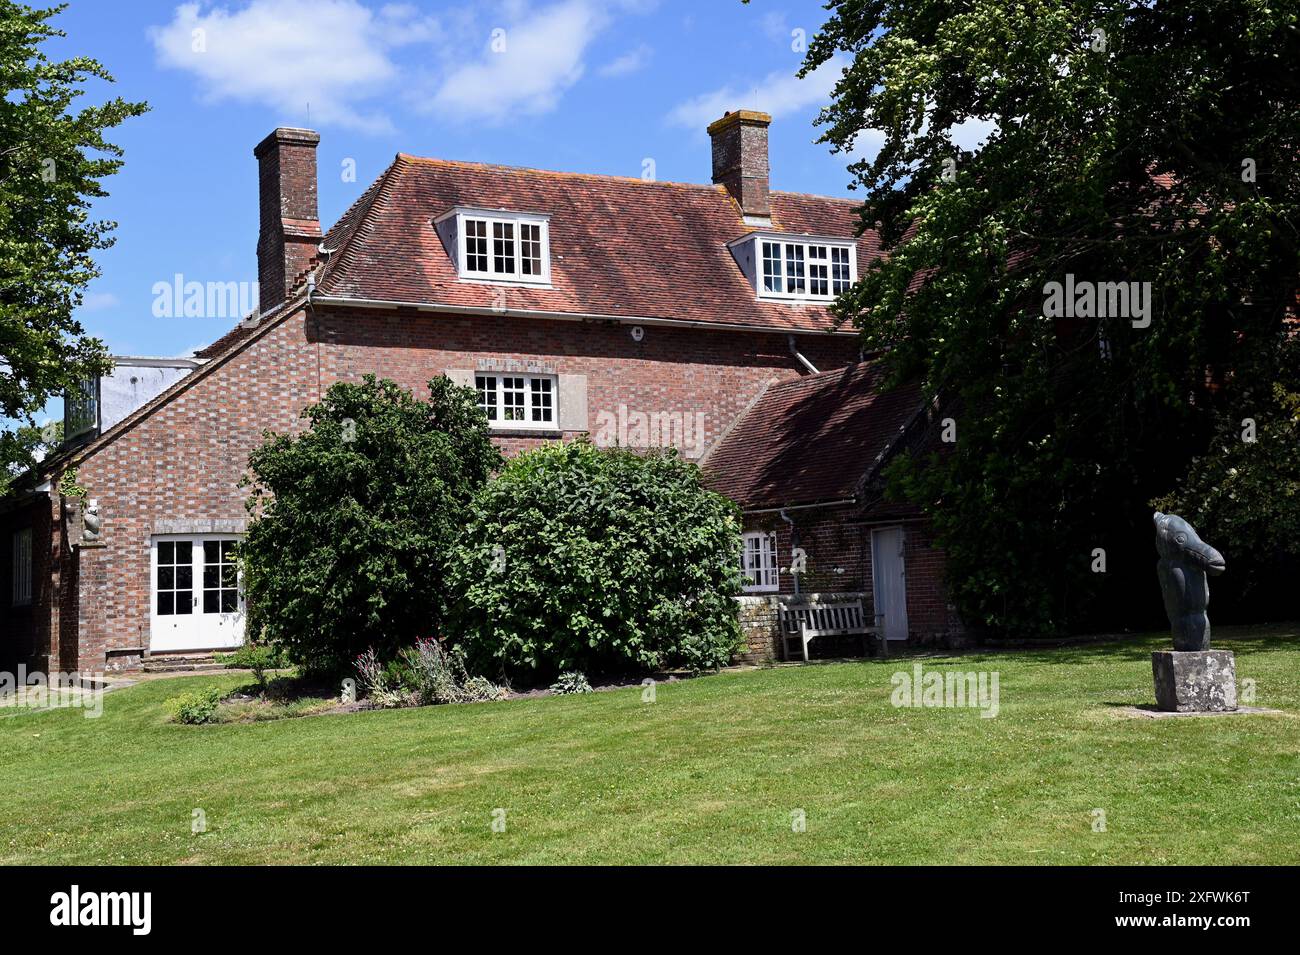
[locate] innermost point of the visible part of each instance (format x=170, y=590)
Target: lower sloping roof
x=812, y=440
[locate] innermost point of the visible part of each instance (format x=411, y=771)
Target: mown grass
x=708, y=773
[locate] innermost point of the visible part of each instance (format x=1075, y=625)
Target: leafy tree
x=1123, y=142
x=354, y=519
x=52, y=162
x=1246, y=490
x=577, y=558
x=23, y=447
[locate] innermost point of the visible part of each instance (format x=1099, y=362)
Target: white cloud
x=95, y=301
x=536, y=60
x=285, y=54
x=773, y=24
x=631, y=61
x=778, y=93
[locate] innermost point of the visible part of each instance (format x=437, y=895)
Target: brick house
x=804, y=463
x=643, y=313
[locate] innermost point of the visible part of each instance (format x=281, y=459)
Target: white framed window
x=758, y=561
x=795, y=283
x=772, y=280
x=498, y=246
x=843, y=270
x=22, y=554
x=787, y=267
x=518, y=401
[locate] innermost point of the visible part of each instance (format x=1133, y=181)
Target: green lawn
x=710, y=772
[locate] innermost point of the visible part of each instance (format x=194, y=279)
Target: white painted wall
x=135, y=381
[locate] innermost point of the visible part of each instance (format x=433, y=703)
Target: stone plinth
x=1195, y=681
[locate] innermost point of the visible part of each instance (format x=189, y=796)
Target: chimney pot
x=290, y=223
x=740, y=159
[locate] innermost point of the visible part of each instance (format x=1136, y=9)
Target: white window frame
x=767, y=579
x=791, y=250
x=527, y=424
x=492, y=218
x=22, y=567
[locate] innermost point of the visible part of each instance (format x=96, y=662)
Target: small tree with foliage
x=355, y=517
x=53, y=160
x=581, y=558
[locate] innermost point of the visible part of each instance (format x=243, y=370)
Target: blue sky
x=578, y=85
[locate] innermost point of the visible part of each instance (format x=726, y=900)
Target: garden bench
x=806, y=617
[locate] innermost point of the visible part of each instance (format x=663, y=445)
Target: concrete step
x=181, y=663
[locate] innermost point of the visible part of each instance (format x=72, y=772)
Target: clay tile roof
x=812, y=439
x=619, y=246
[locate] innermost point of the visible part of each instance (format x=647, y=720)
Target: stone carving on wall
x=91, y=523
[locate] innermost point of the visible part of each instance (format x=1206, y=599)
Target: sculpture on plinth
x=1191, y=678
x=1185, y=560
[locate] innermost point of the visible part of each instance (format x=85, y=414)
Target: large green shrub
x=580, y=558
x=354, y=519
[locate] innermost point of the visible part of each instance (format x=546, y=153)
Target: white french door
x=194, y=593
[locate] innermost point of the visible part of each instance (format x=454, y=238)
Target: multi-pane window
x=517, y=401
x=758, y=561
x=841, y=272
x=503, y=248
x=530, y=248
x=22, y=588
x=510, y=247
x=817, y=281
x=794, y=274
x=476, y=245
x=220, y=576
x=772, y=281
x=804, y=269
x=175, y=583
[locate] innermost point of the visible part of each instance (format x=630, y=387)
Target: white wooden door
x=196, y=604
x=889, y=581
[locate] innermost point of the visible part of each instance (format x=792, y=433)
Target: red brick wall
x=928, y=616
x=838, y=548
x=669, y=370
x=184, y=461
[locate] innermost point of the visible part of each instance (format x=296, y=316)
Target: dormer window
x=797, y=268
x=498, y=246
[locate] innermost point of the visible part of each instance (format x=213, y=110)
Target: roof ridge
x=869, y=364
x=816, y=195
x=376, y=191
x=604, y=176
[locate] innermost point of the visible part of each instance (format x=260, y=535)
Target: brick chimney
x=290, y=224
x=740, y=159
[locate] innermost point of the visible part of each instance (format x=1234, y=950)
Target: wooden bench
x=808, y=616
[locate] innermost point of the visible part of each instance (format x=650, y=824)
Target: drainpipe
x=794, y=537
x=803, y=361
